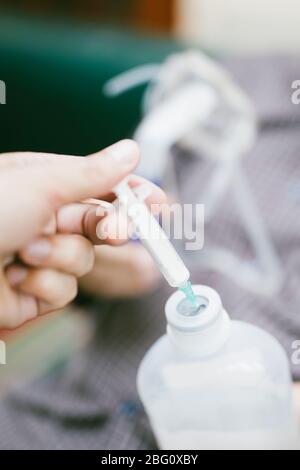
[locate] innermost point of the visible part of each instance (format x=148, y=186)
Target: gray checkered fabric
x=92, y=402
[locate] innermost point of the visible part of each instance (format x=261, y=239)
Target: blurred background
x=145, y=15
x=42, y=44
x=55, y=57
x=255, y=26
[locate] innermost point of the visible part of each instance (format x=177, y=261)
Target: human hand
x=121, y=272
x=38, y=192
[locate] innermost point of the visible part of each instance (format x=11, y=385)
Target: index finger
x=82, y=219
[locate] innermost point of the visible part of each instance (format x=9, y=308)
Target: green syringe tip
x=187, y=289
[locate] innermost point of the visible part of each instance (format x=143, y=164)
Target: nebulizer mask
x=193, y=103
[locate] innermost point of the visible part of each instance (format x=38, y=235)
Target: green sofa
x=54, y=74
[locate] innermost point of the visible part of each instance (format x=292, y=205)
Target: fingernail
x=125, y=151
x=38, y=249
x=107, y=206
x=102, y=230
x=16, y=275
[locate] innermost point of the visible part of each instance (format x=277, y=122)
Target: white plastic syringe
x=153, y=237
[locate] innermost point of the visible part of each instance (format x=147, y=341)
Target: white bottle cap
x=202, y=333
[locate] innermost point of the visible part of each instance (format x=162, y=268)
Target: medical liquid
x=192, y=300
x=214, y=384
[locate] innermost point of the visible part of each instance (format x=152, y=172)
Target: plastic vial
x=215, y=384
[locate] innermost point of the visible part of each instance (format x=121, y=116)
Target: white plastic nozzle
x=153, y=237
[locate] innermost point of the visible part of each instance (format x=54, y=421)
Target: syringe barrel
x=160, y=248
x=154, y=238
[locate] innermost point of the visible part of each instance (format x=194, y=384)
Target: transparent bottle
x=216, y=384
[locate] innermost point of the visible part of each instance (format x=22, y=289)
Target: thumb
x=33, y=187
